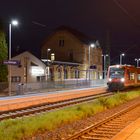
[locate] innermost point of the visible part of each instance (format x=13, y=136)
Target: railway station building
x=68, y=54
x=27, y=72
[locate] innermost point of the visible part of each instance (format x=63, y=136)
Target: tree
x=3, y=55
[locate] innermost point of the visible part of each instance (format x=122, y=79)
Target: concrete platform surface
x=21, y=101
x=131, y=132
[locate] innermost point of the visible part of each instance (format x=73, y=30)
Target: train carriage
x=122, y=76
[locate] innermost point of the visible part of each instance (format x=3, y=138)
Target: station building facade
x=30, y=69
x=68, y=54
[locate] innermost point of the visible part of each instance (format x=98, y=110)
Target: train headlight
x=122, y=79
x=110, y=79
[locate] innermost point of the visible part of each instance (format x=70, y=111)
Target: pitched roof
x=81, y=36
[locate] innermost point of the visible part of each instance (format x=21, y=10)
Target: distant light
x=105, y=55
x=92, y=45
x=123, y=54
x=48, y=49
x=137, y=59
x=118, y=66
x=14, y=22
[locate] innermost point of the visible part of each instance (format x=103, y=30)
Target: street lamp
x=90, y=46
x=137, y=60
x=104, y=57
x=12, y=23
x=48, y=50
x=121, y=55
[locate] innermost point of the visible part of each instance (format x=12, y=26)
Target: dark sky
x=119, y=19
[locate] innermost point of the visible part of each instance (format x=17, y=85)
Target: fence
x=57, y=85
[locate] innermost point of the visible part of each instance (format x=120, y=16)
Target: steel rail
x=49, y=106
x=105, y=122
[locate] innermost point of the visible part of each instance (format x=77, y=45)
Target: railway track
x=49, y=106
x=109, y=127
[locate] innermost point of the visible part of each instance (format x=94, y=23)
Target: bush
x=104, y=102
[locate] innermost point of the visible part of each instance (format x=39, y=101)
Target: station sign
x=11, y=62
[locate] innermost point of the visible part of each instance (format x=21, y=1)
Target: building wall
x=71, y=50
x=30, y=68
x=68, y=48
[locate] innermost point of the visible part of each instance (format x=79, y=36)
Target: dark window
x=71, y=56
x=59, y=73
x=40, y=78
x=77, y=74
x=61, y=43
x=65, y=74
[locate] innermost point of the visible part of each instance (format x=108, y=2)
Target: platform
x=131, y=132
x=22, y=101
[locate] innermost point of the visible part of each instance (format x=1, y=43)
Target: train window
x=138, y=76
x=132, y=76
x=116, y=72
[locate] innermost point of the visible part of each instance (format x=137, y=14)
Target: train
x=120, y=77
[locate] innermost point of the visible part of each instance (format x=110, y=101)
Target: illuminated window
x=15, y=78
x=132, y=76
x=37, y=71
x=138, y=76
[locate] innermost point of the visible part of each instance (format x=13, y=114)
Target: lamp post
x=104, y=57
x=48, y=50
x=121, y=55
x=14, y=23
x=137, y=60
x=90, y=46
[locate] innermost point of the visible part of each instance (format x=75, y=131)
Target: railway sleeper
x=115, y=123
x=101, y=135
x=114, y=127
x=106, y=129
x=102, y=132
x=90, y=138
x=118, y=121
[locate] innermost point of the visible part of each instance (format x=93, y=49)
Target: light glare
x=92, y=45
x=122, y=79
x=14, y=22
x=110, y=79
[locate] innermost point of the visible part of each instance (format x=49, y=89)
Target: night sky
x=113, y=22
